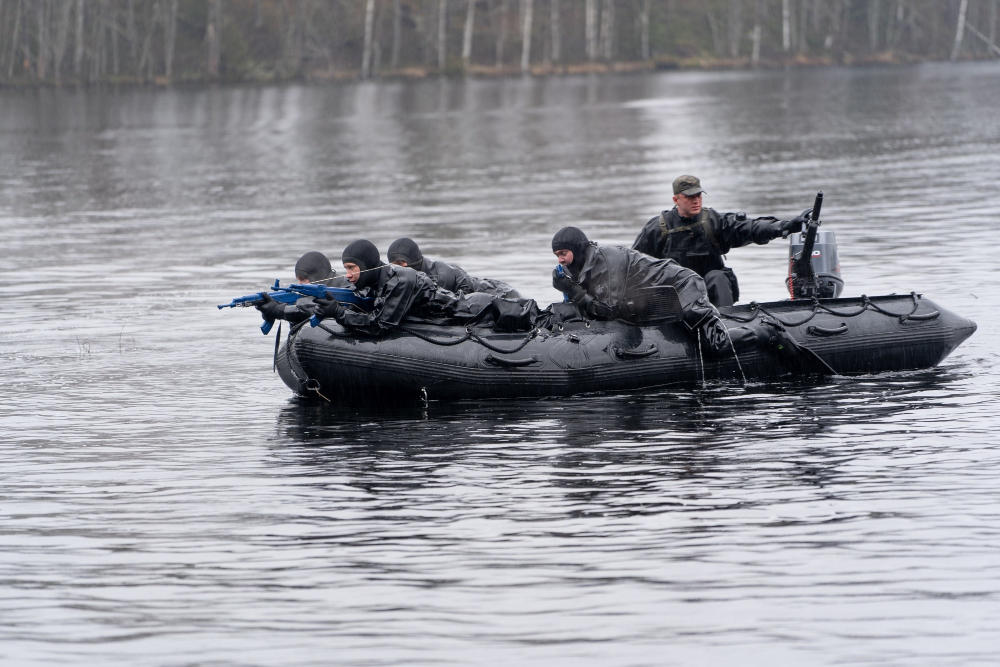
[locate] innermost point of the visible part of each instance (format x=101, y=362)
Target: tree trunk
x=470, y=22
x=78, y=43
x=14, y=38
x=61, y=39
x=442, y=34
x=644, y=50
x=42, y=51
x=397, y=29
x=786, y=25
x=556, y=31
x=366, y=51
x=501, y=31
x=757, y=32
x=169, y=39
x=590, y=29
x=735, y=27
x=527, y=11
x=213, y=38
x=992, y=35
x=608, y=30
x=873, y=20
x=959, y=29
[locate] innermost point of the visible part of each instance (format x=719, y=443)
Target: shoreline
x=489, y=72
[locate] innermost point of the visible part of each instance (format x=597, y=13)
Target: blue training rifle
x=279, y=294
x=342, y=294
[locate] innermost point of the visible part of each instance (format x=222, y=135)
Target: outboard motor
x=825, y=264
x=813, y=266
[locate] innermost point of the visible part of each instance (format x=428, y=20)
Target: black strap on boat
x=295, y=368
x=470, y=334
x=757, y=311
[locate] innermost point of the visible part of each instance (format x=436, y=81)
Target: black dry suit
x=401, y=293
x=313, y=267
x=448, y=276
x=633, y=297
x=699, y=243
x=627, y=282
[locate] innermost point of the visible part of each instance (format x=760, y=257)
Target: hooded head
x=574, y=240
x=406, y=250
x=363, y=253
x=313, y=267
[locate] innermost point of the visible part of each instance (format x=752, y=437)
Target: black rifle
x=801, y=277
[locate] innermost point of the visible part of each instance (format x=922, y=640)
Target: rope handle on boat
x=634, y=353
x=756, y=311
x=814, y=330
x=511, y=363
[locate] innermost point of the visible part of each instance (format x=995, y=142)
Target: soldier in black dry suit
x=698, y=237
x=604, y=281
x=405, y=252
x=312, y=267
x=401, y=293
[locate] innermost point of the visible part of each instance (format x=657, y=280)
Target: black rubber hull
x=845, y=336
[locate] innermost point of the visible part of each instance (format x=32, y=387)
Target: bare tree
x=213, y=38
x=501, y=12
x=59, y=44
x=786, y=25
x=644, y=49
x=442, y=33
x=527, y=14
x=366, y=51
x=556, y=31
x=397, y=29
x=756, y=34
x=78, y=43
x=959, y=29
x=470, y=20
x=735, y=23
x=608, y=30
x=169, y=38
x=590, y=28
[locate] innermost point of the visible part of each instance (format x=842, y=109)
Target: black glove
x=795, y=224
x=271, y=309
x=698, y=313
x=597, y=310
x=562, y=282
x=715, y=334
x=323, y=307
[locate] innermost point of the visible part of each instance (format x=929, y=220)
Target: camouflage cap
x=687, y=185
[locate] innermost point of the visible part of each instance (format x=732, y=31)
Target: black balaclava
x=571, y=238
x=314, y=267
x=407, y=250
x=363, y=253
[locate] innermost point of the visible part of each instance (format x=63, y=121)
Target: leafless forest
x=172, y=41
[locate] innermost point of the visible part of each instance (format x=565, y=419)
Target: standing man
x=698, y=238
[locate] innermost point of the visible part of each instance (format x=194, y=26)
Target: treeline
x=167, y=41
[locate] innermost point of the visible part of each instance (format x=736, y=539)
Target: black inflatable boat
x=843, y=336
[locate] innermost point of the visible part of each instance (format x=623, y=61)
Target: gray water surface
x=166, y=501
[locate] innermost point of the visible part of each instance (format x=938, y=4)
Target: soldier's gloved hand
x=715, y=334
x=271, y=309
x=795, y=224
x=561, y=280
x=597, y=310
x=698, y=313
x=323, y=307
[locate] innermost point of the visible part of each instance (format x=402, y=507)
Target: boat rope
x=470, y=334
x=306, y=382
x=758, y=311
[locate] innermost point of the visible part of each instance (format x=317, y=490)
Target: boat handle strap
x=510, y=363
x=636, y=354
x=823, y=331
